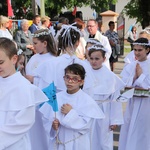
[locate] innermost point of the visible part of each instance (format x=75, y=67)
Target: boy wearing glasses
x=76, y=112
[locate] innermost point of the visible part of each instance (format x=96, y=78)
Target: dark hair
x=36, y=16
x=142, y=40
x=77, y=69
x=93, y=41
x=99, y=19
x=8, y=46
x=51, y=46
x=96, y=50
x=70, y=37
x=110, y=23
x=63, y=20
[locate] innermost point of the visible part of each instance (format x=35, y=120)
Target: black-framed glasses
x=73, y=80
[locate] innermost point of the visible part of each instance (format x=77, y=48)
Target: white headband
x=41, y=34
x=93, y=41
x=144, y=44
x=97, y=47
x=19, y=52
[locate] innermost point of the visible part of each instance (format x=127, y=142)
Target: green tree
x=22, y=9
x=54, y=7
x=140, y=10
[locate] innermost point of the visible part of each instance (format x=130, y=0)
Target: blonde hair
x=43, y=19
x=3, y=20
x=144, y=34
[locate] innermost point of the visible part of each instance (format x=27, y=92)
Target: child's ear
x=104, y=58
x=45, y=43
x=81, y=83
x=14, y=59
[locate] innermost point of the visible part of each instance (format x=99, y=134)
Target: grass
x=127, y=47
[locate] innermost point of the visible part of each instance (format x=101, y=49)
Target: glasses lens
x=73, y=80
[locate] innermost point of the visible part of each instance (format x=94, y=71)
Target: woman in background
x=133, y=35
x=23, y=38
x=4, y=24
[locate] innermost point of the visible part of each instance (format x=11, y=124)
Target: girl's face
x=96, y=60
x=20, y=63
x=73, y=82
x=140, y=52
x=7, y=65
x=40, y=47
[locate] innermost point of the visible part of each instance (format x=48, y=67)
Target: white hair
x=24, y=21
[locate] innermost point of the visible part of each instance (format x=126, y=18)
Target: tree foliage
x=140, y=10
x=54, y=7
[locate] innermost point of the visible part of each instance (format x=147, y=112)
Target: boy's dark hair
x=77, y=69
x=8, y=46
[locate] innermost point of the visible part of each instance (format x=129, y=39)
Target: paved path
x=118, y=68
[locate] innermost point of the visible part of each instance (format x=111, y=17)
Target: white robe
x=18, y=98
x=40, y=141
x=105, y=93
x=104, y=41
x=74, y=129
x=35, y=61
x=6, y=33
x=135, y=133
x=53, y=70
x=131, y=57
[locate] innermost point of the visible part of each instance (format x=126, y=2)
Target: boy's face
x=7, y=65
x=73, y=82
x=96, y=60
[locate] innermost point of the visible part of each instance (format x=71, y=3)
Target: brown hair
x=79, y=23
x=51, y=45
x=8, y=46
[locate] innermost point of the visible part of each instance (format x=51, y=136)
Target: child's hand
x=65, y=108
x=55, y=124
x=113, y=127
x=138, y=70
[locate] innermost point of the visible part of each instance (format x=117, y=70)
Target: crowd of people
x=83, y=107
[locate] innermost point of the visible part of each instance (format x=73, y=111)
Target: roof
x=109, y=13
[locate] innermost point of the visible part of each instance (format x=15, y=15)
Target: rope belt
x=64, y=143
